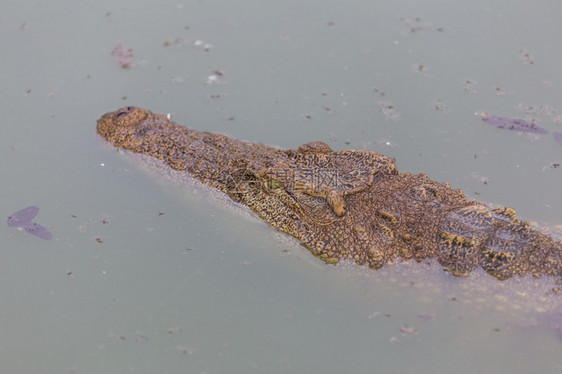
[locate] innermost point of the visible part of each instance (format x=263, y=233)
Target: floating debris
x=202, y=45
x=427, y=317
x=558, y=137
x=501, y=92
x=379, y=92
x=553, y=165
x=216, y=77
x=526, y=57
x=420, y=69
x=123, y=55
x=416, y=25
x=22, y=220
x=512, y=124
x=408, y=330
x=536, y=110
x=469, y=86
x=480, y=178
x=185, y=350
x=175, y=330
x=388, y=111
x=181, y=42
x=440, y=106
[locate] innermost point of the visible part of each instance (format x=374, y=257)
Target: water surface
x=143, y=275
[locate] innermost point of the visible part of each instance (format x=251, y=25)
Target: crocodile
x=348, y=204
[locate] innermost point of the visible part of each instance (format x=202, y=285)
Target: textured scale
x=345, y=204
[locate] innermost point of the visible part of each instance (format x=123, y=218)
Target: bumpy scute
x=345, y=204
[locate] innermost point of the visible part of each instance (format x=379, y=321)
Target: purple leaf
x=23, y=216
x=22, y=219
x=557, y=137
x=123, y=55
x=513, y=124
x=37, y=230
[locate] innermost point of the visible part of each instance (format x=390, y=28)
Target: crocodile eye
x=124, y=111
x=129, y=116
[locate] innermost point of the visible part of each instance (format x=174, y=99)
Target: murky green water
x=146, y=276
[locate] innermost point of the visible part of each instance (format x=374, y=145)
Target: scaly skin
x=346, y=204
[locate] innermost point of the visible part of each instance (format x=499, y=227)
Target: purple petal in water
x=22, y=219
x=123, y=55
x=557, y=137
x=513, y=124
x=23, y=216
x=426, y=317
x=37, y=230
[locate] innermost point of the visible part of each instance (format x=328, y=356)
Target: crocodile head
x=119, y=126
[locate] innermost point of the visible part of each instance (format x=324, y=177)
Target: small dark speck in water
x=22, y=219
